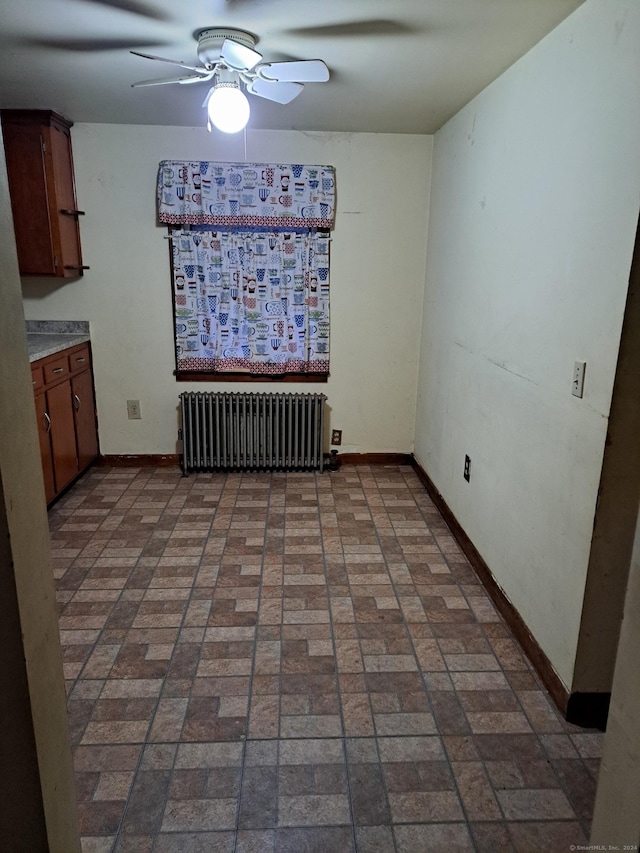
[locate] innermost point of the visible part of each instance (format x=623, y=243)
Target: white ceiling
x=404, y=66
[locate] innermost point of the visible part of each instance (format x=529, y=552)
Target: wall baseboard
x=375, y=458
x=159, y=460
x=516, y=623
x=140, y=460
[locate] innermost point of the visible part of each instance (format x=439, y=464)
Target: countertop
x=47, y=337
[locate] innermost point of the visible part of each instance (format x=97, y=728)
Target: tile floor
x=298, y=662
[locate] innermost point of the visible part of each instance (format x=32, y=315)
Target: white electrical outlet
x=577, y=386
x=133, y=410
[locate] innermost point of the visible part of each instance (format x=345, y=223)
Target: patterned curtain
x=233, y=195
x=251, y=300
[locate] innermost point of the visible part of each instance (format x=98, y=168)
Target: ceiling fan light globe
x=228, y=108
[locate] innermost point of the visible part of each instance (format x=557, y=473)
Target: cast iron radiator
x=228, y=432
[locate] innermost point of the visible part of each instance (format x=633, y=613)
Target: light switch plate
x=577, y=386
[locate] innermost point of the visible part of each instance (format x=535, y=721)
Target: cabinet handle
x=58, y=370
x=34, y=383
x=77, y=399
x=72, y=212
x=80, y=358
x=48, y=425
x=76, y=267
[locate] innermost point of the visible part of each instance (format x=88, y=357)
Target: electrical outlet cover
x=133, y=410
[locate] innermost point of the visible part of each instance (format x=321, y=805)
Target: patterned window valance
x=246, y=194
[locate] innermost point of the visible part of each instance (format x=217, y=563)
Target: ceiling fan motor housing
x=210, y=43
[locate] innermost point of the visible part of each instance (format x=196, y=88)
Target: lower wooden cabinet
x=84, y=418
x=44, y=427
x=66, y=413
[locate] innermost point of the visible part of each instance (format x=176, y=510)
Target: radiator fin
x=234, y=432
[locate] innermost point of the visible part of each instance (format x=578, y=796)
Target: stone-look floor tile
x=146, y=802
x=368, y=796
x=315, y=840
x=535, y=804
x=475, y=791
x=532, y=837
x=508, y=747
x=402, y=777
x=208, y=755
x=314, y=810
x=195, y=842
x=433, y=838
x=479, y=681
x=410, y=749
x=589, y=745
x=188, y=784
x=356, y=714
x=404, y=724
x=335, y=623
x=507, y=722
x=310, y=726
x=259, y=799
x=579, y=786
x=542, y=716
x=97, y=843
x=374, y=839
x=116, y=732
x=100, y=818
x=206, y=815
x=134, y=843
x=558, y=746
x=449, y=714
x=432, y=806
x=113, y=785
x=168, y=720
x=205, y=720
x=264, y=716
x=256, y=841
x=491, y=837
x=223, y=782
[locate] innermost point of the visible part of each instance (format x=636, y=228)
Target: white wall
x=534, y=203
x=377, y=261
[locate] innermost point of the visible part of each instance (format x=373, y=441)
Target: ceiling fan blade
x=135, y=7
x=272, y=90
x=239, y=57
x=300, y=71
x=191, y=78
x=199, y=69
x=91, y=45
x=374, y=27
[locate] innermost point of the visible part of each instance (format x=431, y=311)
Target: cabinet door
x=85, y=418
x=44, y=427
x=63, y=435
x=62, y=163
x=42, y=188
x=26, y=171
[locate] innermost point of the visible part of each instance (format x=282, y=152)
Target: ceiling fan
x=228, y=58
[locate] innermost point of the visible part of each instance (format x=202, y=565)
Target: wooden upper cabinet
x=43, y=198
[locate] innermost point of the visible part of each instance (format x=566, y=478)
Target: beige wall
x=534, y=203
x=33, y=701
x=377, y=277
